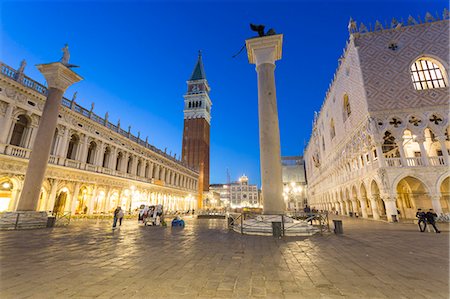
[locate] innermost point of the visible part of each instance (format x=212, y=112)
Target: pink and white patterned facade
x=380, y=143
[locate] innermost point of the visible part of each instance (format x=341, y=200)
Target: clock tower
x=197, y=117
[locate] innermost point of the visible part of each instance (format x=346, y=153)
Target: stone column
x=401, y=150
x=59, y=77
x=373, y=203
x=52, y=196
x=444, y=151
x=436, y=203
x=73, y=201
x=62, y=150
x=264, y=51
x=391, y=207
x=423, y=151
x=380, y=155
x=363, y=207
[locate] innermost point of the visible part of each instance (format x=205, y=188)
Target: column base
x=23, y=220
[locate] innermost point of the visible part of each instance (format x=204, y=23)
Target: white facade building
x=243, y=194
x=380, y=142
x=294, y=182
x=94, y=165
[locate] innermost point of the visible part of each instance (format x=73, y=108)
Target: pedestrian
x=116, y=213
x=431, y=219
x=422, y=219
x=120, y=216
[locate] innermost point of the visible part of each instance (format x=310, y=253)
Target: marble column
x=363, y=207
x=263, y=52
x=59, y=77
x=436, y=203
x=52, y=196
x=423, y=151
x=373, y=203
x=444, y=151
x=5, y=123
x=391, y=207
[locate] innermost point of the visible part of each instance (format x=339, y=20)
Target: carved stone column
x=264, y=51
x=73, y=201
x=423, y=151
x=391, y=207
x=59, y=77
x=380, y=154
x=444, y=150
x=363, y=207
x=52, y=196
x=436, y=203
x=373, y=203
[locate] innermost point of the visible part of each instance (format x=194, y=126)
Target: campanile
x=197, y=117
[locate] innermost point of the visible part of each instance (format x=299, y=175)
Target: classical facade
x=243, y=194
x=380, y=143
x=197, y=118
x=94, y=165
x=294, y=182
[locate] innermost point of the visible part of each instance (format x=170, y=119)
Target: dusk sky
x=136, y=56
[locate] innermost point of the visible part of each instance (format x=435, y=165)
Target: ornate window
x=91, y=153
x=427, y=73
x=332, y=129
x=19, y=131
x=347, y=110
x=106, y=156
x=73, y=147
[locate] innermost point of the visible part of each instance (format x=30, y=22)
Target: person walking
x=422, y=219
x=431, y=219
x=116, y=216
x=120, y=216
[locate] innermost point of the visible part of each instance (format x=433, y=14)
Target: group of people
x=151, y=215
x=427, y=218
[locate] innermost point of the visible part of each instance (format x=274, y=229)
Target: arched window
x=428, y=73
x=73, y=147
x=130, y=162
x=332, y=129
x=347, y=110
x=19, y=131
x=106, y=156
x=190, y=104
x=146, y=170
x=91, y=152
x=119, y=160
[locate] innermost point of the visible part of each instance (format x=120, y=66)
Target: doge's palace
x=94, y=165
x=380, y=143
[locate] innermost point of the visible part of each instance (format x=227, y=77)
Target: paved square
x=205, y=260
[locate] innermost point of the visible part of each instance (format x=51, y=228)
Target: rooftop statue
x=260, y=30
x=23, y=64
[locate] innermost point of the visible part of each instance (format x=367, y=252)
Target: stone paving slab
x=205, y=260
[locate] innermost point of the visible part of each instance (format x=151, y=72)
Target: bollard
x=276, y=229
x=338, y=229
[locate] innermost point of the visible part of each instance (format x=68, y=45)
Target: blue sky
x=136, y=56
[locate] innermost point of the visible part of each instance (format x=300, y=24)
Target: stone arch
x=412, y=193
x=92, y=150
x=62, y=201
x=106, y=157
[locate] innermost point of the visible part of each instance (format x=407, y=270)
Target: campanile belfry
x=197, y=117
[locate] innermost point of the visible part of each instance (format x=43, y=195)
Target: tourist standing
x=422, y=220
x=431, y=219
x=120, y=216
x=116, y=214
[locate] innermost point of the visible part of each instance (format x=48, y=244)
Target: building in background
x=94, y=165
x=380, y=143
x=294, y=182
x=239, y=194
x=197, y=118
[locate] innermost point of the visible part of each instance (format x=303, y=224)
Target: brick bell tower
x=197, y=117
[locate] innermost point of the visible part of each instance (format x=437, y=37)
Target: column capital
x=58, y=75
x=265, y=49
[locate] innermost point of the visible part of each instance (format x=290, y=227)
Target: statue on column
x=66, y=56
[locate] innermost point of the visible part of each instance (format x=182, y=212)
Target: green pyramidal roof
x=199, y=71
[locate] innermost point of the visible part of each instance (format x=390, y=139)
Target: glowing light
x=6, y=185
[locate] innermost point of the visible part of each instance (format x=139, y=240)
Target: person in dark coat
x=422, y=220
x=116, y=216
x=431, y=219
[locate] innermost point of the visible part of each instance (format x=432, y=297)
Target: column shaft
x=40, y=154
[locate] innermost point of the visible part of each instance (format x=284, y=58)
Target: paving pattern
x=205, y=260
